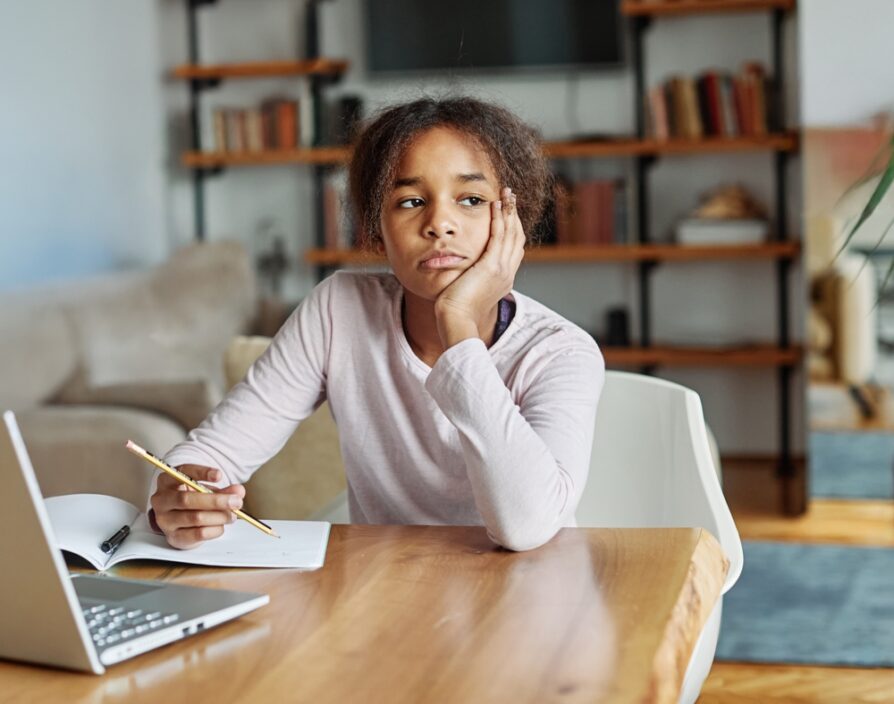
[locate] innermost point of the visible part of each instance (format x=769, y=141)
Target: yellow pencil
x=193, y=484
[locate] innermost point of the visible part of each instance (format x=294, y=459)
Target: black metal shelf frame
x=197, y=86
x=794, y=493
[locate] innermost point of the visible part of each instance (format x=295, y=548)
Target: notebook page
x=301, y=545
x=82, y=521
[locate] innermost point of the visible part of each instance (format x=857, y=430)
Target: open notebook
x=82, y=522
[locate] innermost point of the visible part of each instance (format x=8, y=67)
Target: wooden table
x=432, y=614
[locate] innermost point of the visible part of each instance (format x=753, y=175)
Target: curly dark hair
x=514, y=149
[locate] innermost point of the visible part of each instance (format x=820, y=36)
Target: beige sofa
x=88, y=364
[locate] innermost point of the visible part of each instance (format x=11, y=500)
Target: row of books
x=591, y=212
x=716, y=103
x=279, y=123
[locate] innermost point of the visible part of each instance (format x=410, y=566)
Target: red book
x=286, y=124
x=740, y=99
x=586, y=212
x=606, y=212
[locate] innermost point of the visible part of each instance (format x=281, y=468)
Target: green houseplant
x=885, y=180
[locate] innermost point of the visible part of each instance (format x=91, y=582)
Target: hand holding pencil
x=187, y=511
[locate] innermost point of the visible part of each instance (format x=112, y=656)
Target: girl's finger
x=514, y=230
x=494, y=247
x=508, y=209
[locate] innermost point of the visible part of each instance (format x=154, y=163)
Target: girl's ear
x=380, y=246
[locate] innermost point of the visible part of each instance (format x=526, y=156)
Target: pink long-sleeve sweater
x=499, y=437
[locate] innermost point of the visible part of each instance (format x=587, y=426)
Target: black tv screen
x=491, y=35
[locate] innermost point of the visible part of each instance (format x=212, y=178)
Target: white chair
x=652, y=467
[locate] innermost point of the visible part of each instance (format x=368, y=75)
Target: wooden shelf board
x=596, y=148
x=786, y=141
x=261, y=69
x=737, y=356
x=597, y=253
x=308, y=155
x=653, y=8
x=661, y=252
x=623, y=147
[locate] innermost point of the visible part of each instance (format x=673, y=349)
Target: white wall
x=81, y=139
x=847, y=76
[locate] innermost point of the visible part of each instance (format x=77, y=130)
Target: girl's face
x=436, y=218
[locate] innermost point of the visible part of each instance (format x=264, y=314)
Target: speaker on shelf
x=617, y=326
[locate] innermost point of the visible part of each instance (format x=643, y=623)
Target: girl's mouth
x=443, y=261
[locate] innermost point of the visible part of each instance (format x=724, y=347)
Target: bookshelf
x=334, y=156
x=317, y=70
x=643, y=254
x=781, y=354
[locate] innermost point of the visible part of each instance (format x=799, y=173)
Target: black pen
x=113, y=543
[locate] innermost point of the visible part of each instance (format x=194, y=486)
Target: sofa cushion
x=37, y=351
x=307, y=474
x=186, y=402
x=80, y=449
x=173, y=323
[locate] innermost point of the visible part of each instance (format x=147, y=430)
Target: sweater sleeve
x=259, y=414
x=527, y=463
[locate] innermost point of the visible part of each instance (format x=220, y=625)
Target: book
x=731, y=125
x=657, y=109
x=286, y=113
x=235, y=120
x=716, y=231
x=81, y=522
x=692, y=115
x=220, y=130
x=254, y=130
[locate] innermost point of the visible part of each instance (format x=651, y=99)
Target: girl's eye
x=410, y=203
x=472, y=200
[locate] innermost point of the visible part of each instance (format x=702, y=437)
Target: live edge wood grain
x=433, y=614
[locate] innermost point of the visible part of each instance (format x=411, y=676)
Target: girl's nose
x=439, y=224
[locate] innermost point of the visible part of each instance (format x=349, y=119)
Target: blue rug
x=852, y=465
x=811, y=604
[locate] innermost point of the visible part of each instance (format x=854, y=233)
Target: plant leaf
x=873, y=251
x=871, y=171
x=881, y=189
x=884, y=284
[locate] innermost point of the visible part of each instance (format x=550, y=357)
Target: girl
x=458, y=400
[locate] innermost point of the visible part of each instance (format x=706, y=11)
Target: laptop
x=83, y=622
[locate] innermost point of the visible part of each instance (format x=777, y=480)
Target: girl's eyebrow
x=477, y=176
x=416, y=180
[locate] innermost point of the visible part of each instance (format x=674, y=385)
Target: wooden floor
x=750, y=489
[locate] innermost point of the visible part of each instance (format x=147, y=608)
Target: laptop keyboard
x=112, y=624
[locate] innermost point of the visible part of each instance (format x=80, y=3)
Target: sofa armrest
x=80, y=449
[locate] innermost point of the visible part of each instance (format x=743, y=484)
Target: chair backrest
x=651, y=464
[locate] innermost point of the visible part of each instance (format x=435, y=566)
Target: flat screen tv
x=492, y=35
